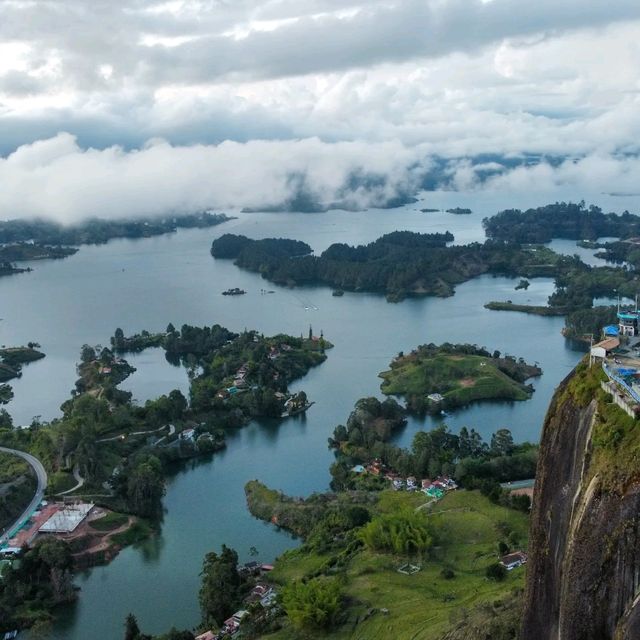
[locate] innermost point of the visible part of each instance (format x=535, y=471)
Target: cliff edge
x=583, y=576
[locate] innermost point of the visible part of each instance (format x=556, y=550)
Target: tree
x=502, y=443
x=170, y=328
x=221, y=586
x=117, y=342
x=496, y=572
x=315, y=604
x=145, y=487
x=131, y=629
x=87, y=354
x=6, y=393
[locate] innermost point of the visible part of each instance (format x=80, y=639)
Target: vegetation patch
x=110, y=522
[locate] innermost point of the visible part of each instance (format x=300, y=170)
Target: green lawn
x=110, y=522
x=468, y=526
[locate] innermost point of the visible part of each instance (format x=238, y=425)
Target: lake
x=145, y=284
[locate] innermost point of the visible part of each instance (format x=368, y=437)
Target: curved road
x=41, y=474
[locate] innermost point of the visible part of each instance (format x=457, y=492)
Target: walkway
x=41, y=474
x=79, y=480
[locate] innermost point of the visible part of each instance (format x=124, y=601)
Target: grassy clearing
x=421, y=606
x=140, y=530
x=460, y=379
x=110, y=522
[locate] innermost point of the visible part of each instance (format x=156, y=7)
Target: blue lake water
x=145, y=284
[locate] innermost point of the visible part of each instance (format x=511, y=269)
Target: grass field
x=110, y=522
x=420, y=606
x=460, y=379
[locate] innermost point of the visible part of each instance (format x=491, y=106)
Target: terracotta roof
x=608, y=344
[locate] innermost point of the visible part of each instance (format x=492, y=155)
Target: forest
x=398, y=264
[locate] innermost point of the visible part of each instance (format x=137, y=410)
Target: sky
x=143, y=107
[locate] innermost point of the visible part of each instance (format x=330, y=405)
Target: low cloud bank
x=57, y=179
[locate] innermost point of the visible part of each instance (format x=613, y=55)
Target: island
x=435, y=378
x=22, y=251
x=574, y=221
x=13, y=358
x=459, y=211
x=398, y=264
x=8, y=269
x=98, y=231
x=427, y=210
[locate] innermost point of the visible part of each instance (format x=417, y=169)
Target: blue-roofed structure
x=610, y=330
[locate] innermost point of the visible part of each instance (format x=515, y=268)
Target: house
x=239, y=616
x=358, y=469
x=230, y=626
x=513, y=560
x=398, y=484
x=435, y=397
x=261, y=590
x=411, y=483
x=425, y=483
x=269, y=600
x=188, y=435
x=266, y=567
x=603, y=348
x=207, y=635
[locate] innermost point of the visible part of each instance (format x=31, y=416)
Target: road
x=41, y=474
x=79, y=480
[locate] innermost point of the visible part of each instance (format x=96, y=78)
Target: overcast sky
x=181, y=104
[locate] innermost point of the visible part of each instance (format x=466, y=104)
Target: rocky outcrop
x=583, y=577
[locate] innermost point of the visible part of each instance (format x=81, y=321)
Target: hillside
x=466, y=529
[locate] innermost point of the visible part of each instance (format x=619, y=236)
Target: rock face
x=583, y=576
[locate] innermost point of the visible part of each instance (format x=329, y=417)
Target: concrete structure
x=67, y=519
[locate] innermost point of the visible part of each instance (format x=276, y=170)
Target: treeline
x=398, y=264
x=98, y=231
x=573, y=221
x=30, y=251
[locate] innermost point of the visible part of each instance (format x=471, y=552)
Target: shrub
x=496, y=572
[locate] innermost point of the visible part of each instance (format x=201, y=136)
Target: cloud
x=58, y=179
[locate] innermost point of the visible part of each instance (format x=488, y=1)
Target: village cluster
x=433, y=488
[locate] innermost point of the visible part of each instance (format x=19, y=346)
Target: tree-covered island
x=22, y=240
x=398, y=264
x=12, y=360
